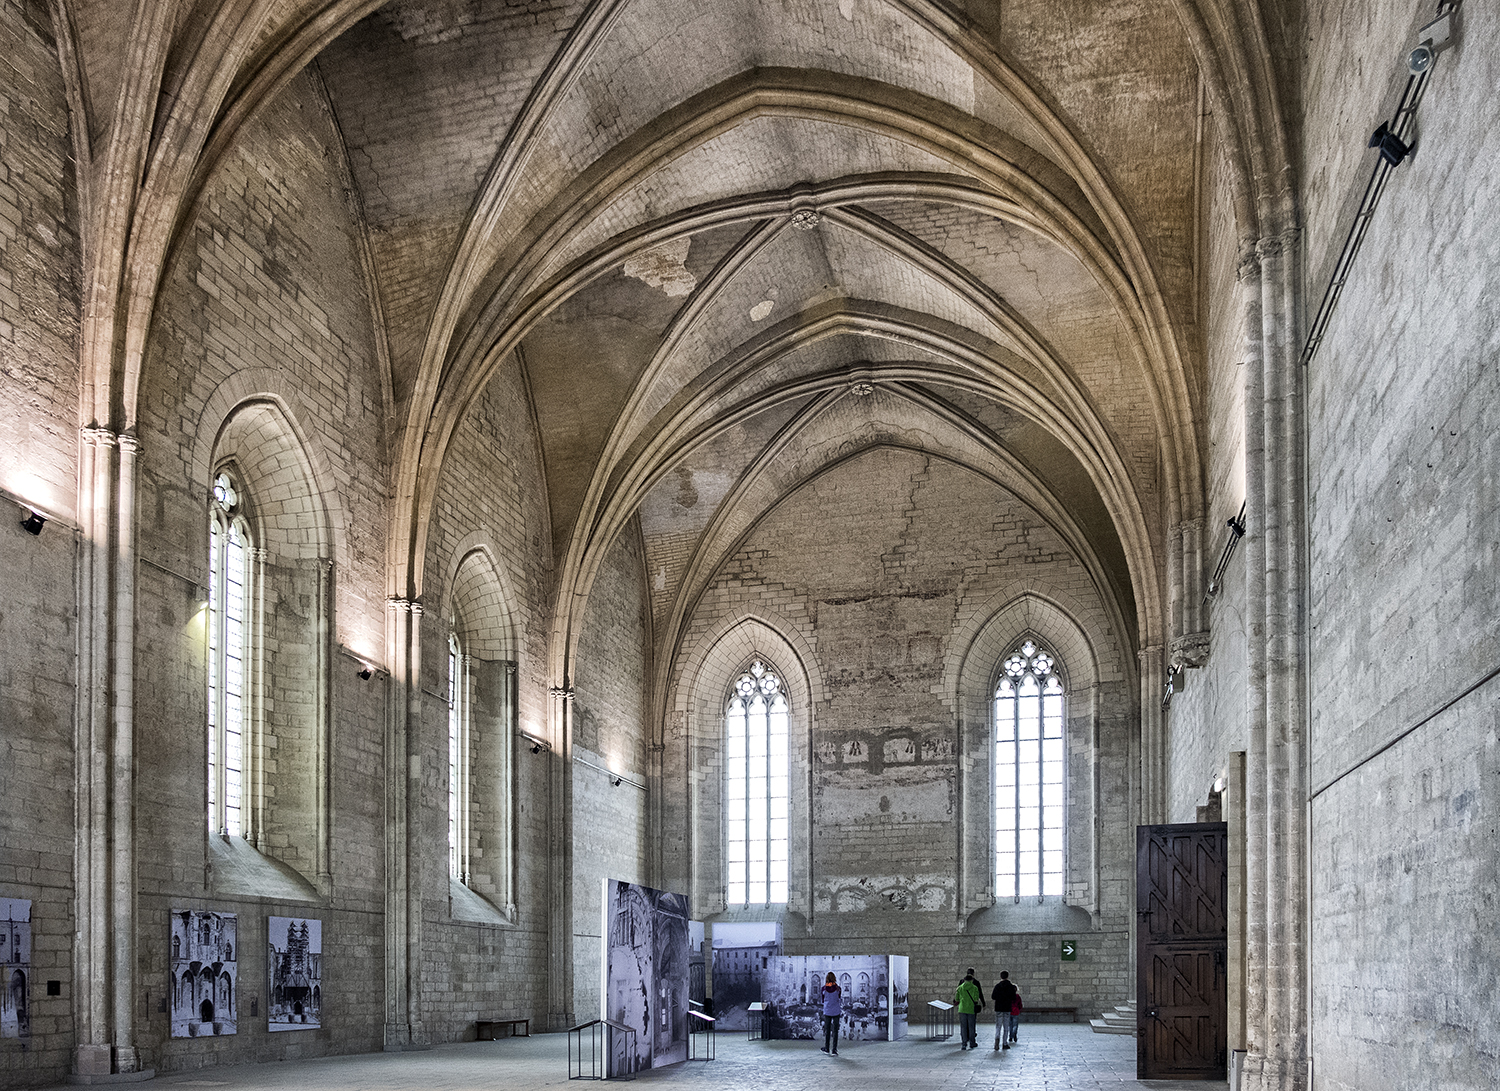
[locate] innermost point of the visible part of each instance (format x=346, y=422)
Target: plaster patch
x=846, y=9
x=663, y=267
x=761, y=309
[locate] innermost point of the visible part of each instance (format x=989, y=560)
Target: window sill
x=474, y=908
x=241, y=870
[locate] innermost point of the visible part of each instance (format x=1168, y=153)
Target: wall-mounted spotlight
x=365, y=673
x=1236, y=532
x=536, y=748
x=616, y=782
x=1392, y=148
x=34, y=521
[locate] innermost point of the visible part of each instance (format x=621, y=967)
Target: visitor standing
x=833, y=1010
x=1007, y=1000
x=969, y=998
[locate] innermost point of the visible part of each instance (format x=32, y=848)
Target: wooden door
x=1182, y=946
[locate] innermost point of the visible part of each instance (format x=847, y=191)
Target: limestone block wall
x=875, y=590
x=262, y=349
x=1405, y=516
x=488, y=543
x=609, y=737
x=39, y=316
x=1207, y=718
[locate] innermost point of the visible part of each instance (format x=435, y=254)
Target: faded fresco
x=741, y=952
x=15, y=968
x=205, y=973
x=646, y=977
x=294, y=979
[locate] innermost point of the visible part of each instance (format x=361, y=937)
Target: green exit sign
x=1069, y=951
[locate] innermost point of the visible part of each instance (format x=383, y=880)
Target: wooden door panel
x=1182, y=944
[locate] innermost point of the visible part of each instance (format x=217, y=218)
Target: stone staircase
x=1119, y=1021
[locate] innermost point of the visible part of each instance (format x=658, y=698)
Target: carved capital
x=1189, y=651
x=405, y=606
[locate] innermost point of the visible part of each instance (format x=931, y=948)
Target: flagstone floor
x=1049, y=1057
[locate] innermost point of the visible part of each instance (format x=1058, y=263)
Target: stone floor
x=1049, y=1057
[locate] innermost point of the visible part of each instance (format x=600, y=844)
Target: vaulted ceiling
x=734, y=242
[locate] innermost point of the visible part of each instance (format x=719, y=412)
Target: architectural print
x=205, y=973
x=791, y=990
x=15, y=968
x=741, y=952
x=294, y=979
x=645, y=982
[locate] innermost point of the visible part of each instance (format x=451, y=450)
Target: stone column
x=560, y=873
x=1153, y=757
x=105, y=938
x=403, y=892
x=1275, y=765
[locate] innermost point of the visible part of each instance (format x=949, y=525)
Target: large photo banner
x=205, y=973
x=15, y=968
x=899, y=1005
x=294, y=973
x=741, y=952
x=646, y=978
x=792, y=990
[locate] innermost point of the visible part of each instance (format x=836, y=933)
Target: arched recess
x=290, y=621
x=479, y=618
x=1067, y=627
x=708, y=667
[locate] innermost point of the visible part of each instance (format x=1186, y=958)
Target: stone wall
x=39, y=316
x=1405, y=516
x=876, y=590
x=609, y=741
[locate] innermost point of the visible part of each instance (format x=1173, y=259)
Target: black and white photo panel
x=205, y=973
x=294, y=978
x=645, y=984
x=15, y=968
x=792, y=991
x=898, y=1002
x=741, y=952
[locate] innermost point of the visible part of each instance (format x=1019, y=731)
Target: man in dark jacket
x=969, y=998
x=1004, y=996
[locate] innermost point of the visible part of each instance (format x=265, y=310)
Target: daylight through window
x=1030, y=754
x=756, y=789
x=228, y=579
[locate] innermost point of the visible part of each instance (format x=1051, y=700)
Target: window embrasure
x=229, y=638
x=756, y=789
x=1030, y=776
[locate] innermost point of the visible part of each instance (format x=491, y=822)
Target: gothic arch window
x=1030, y=776
x=756, y=789
x=482, y=727
x=458, y=760
x=230, y=633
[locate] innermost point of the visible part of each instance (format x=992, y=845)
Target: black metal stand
x=939, y=1018
x=591, y=1047
x=700, y=1026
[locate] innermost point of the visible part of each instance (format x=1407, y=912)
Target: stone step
x=1119, y=1018
x=1102, y=1027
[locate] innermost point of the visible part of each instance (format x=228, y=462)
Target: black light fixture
x=365, y=673
x=536, y=748
x=616, y=782
x=34, y=521
x=1392, y=148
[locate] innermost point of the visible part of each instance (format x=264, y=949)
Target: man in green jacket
x=969, y=999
